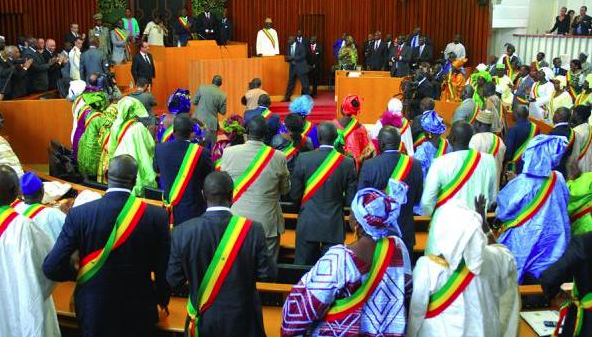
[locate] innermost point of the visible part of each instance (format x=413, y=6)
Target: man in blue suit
x=377, y=171
x=93, y=61
x=296, y=57
x=517, y=135
x=120, y=298
x=168, y=159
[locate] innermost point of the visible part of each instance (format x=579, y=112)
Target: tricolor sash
x=307, y=129
x=420, y=140
x=253, y=171
x=495, y=146
x=218, y=164
x=16, y=203
x=581, y=98
x=383, y=254
x=404, y=127
x=268, y=34
x=534, y=130
x=75, y=104
x=184, y=22
x=450, y=291
x=586, y=145
x=571, y=139
x=123, y=130
x=579, y=213
x=122, y=35
x=266, y=114
x=126, y=222
x=167, y=134
x=464, y=174
x=534, y=205
x=535, y=90
x=223, y=259
x=509, y=67
x=83, y=113
x=581, y=304
x=402, y=169
x=105, y=141
x=184, y=175
x=537, y=66
x=32, y=211
x=572, y=92
x=442, y=148
x=7, y=214
x=321, y=174
x=474, y=114
x=90, y=117
x=349, y=129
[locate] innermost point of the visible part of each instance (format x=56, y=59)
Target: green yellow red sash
x=123, y=130
x=122, y=35
x=75, y=104
x=126, y=222
x=404, y=127
x=106, y=139
x=383, y=253
x=442, y=148
x=32, y=211
x=167, y=134
x=579, y=213
x=495, y=146
x=218, y=164
x=586, y=145
x=268, y=34
x=571, y=139
x=474, y=114
x=581, y=304
x=321, y=174
x=572, y=92
x=534, y=130
x=184, y=22
x=307, y=129
x=266, y=114
x=351, y=126
x=464, y=174
x=90, y=117
x=222, y=261
x=253, y=171
x=450, y=291
x=7, y=214
x=420, y=140
x=535, y=90
x=509, y=67
x=582, y=98
x=184, y=175
x=16, y=203
x=85, y=112
x=537, y=66
x=402, y=169
x=534, y=205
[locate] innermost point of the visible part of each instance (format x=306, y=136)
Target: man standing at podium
x=296, y=57
x=267, y=40
x=207, y=24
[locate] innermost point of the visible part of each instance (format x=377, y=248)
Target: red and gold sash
x=581, y=98
x=221, y=263
x=16, y=203
x=253, y=172
x=383, y=254
x=167, y=134
x=464, y=174
x=442, y=148
x=269, y=36
x=106, y=139
x=349, y=129
x=534, y=205
x=126, y=222
x=33, y=210
x=83, y=113
x=218, y=164
x=184, y=22
x=7, y=214
x=579, y=213
x=123, y=130
x=402, y=169
x=90, y=117
x=420, y=140
x=586, y=145
x=184, y=175
x=495, y=146
x=266, y=114
x=450, y=291
x=321, y=174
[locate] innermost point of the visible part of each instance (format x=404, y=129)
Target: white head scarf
x=395, y=105
x=548, y=73
x=481, y=67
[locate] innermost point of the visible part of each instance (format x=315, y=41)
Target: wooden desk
x=364, y=73
x=275, y=77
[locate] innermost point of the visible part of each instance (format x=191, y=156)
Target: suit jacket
x=204, y=23
x=563, y=130
x=180, y=30
x=210, y=101
x=69, y=37
x=320, y=219
x=237, y=306
x=298, y=60
x=126, y=273
x=261, y=202
x=141, y=68
x=517, y=135
x=559, y=71
x=104, y=39
x=402, y=63
x=55, y=71
x=377, y=56
x=376, y=173
x=315, y=59
x=92, y=61
x=586, y=24
x=167, y=160
x=37, y=77
x=13, y=78
x=225, y=31
x=425, y=56
x=464, y=111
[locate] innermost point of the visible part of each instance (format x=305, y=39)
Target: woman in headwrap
x=484, y=300
x=455, y=81
x=532, y=208
x=393, y=116
x=179, y=102
x=292, y=142
x=129, y=136
x=478, y=80
x=560, y=98
x=303, y=106
x=585, y=97
x=92, y=151
x=233, y=131
x=353, y=136
x=348, y=55
x=94, y=103
x=435, y=146
x=352, y=288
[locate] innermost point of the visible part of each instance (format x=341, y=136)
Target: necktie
x=420, y=50
x=376, y=45
x=208, y=16
x=312, y=48
x=146, y=58
x=292, y=51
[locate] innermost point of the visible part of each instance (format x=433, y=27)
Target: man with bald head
x=30, y=310
x=460, y=175
x=467, y=107
x=562, y=128
x=392, y=164
x=210, y=101
x=115, y=295
x=55, y=71
x=13, y=75
x=235, y=308
x=320, y=219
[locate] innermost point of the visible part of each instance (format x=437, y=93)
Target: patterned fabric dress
x=358, y=144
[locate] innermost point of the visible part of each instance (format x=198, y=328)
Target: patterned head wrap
x=377, y=213
x=351, y=105
x=432, y=123
x=543, y=153
x=97, y=100
x=179, y=102
x=233, y=126
x=562, y=81
x=302, y=105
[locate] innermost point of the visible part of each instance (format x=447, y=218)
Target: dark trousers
x=309, y=252
x=314, y=75
x=303, y=78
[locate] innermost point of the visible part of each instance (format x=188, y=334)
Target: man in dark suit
x=366, y=48
x=93, y=61
x=225, y=30
x=377, y=171
x=425, y=89
x=207, y=24
x=120, y=298
x=55, y=72
x=377, y=55
x=562, y=128
x=401, y=57
x=296, y=57
x=301, y=39
x=167, y=161
x=183, y=27
x=315, y=64
x=13, y=73
x=422, y=53
x=143, y=64
x=557, y=70
x=236, y=308
x=37, y=77
x=582, y=23
x=73, y=34
x=263, y=102
x=517, y=135
x=320, y=220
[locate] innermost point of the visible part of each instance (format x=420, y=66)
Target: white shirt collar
x=422, y=80
x=390, y=151
x=326, y=147
x=118, y=189
x=218, y=208
x=562, y=123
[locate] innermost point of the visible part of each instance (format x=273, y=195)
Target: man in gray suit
x=401, y=57
x=102, y=35
x=296, y=57
x=465, y=111
x=93, y=61
x=261, y=200
x=210, y=101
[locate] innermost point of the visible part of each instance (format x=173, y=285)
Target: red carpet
x=324, y=107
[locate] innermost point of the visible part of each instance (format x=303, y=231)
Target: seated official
x=233, y=307
x=121, y=242
x=183, y=166
x=330, y=298
x=562, y=127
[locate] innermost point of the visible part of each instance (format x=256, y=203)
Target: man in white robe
x=581, y=155
x=489, y=305
x=25, y=293
x=268, y=43
x=541, y=93
x=487, y=142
